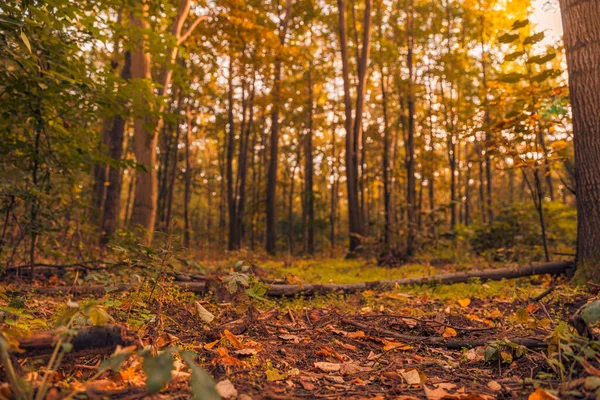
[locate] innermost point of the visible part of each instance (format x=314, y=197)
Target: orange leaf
x=357, y=334
x=449, y=332
x=464, y=302
x=210, y=345
x=541, y=394
x=233, y=339
x=396, y=346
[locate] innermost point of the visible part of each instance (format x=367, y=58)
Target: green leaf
x=158, y=371
x=203, y=385
x=26, y=41
x=508, y=37
x=520, y=24
x=591, y=312
x=535, y=38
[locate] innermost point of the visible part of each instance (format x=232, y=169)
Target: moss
x=345, y=271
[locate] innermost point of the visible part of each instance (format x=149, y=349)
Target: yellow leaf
x=464, y=302
x=449, y=332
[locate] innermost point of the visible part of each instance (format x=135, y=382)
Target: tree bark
x=143, y=214
x=188, y=180
x=309, y=207
x=271, y=231
x=582, y=45
x=410, y=140
x=112, y=202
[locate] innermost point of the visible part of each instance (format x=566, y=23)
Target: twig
x=427, y=321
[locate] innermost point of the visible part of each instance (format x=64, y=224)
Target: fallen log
x=47, y=270
x=194, y=287
x=105, y=337
x=554, y=268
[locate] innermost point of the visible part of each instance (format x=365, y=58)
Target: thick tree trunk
x=582, y=45
x=354, y=131
x=112, y=202
x=143, y=214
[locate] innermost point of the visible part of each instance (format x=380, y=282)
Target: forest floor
x=463, y=341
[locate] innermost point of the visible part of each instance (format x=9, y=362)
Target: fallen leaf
x=355, y=335
x=541, y=394
x=203, y=313
x=475, y=355
x=345, y=345
x=233, y=339
x=293, y=338
x=494, y=386
x=210, y=345
x=273, y=375
x=226, y=389
x=464, y=303
x=353, y=368
x=589, y=368
x=396, y=346
x=246, y=352
x=329, y=352
x=306, y=385
x=413, y=376
x=449, y=332
x=328, y=367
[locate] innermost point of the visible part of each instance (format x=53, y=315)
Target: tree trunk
x=410, y=140
x=309, y=207
x=271, y=231
x=188, y=181
x=354, y=132
x=143, y=213
x=232, y=242
x=582, y=45
x=112, y=202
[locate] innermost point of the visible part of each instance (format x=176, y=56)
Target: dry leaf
x=210, y=345
x=329, y=352
x=226, y=389
x=293, y=338
x=355, y=335
x=396, y=346
x=307, y=385
x=233, y=339
x=246, y=352
x=449, y=332
x=541, y=394
x=494, y=386
x=475, y=355
x=328, y=367
x=273, y=375
x=589, y=368
x=413, y=376
x=203, y=313
x=464, y=302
